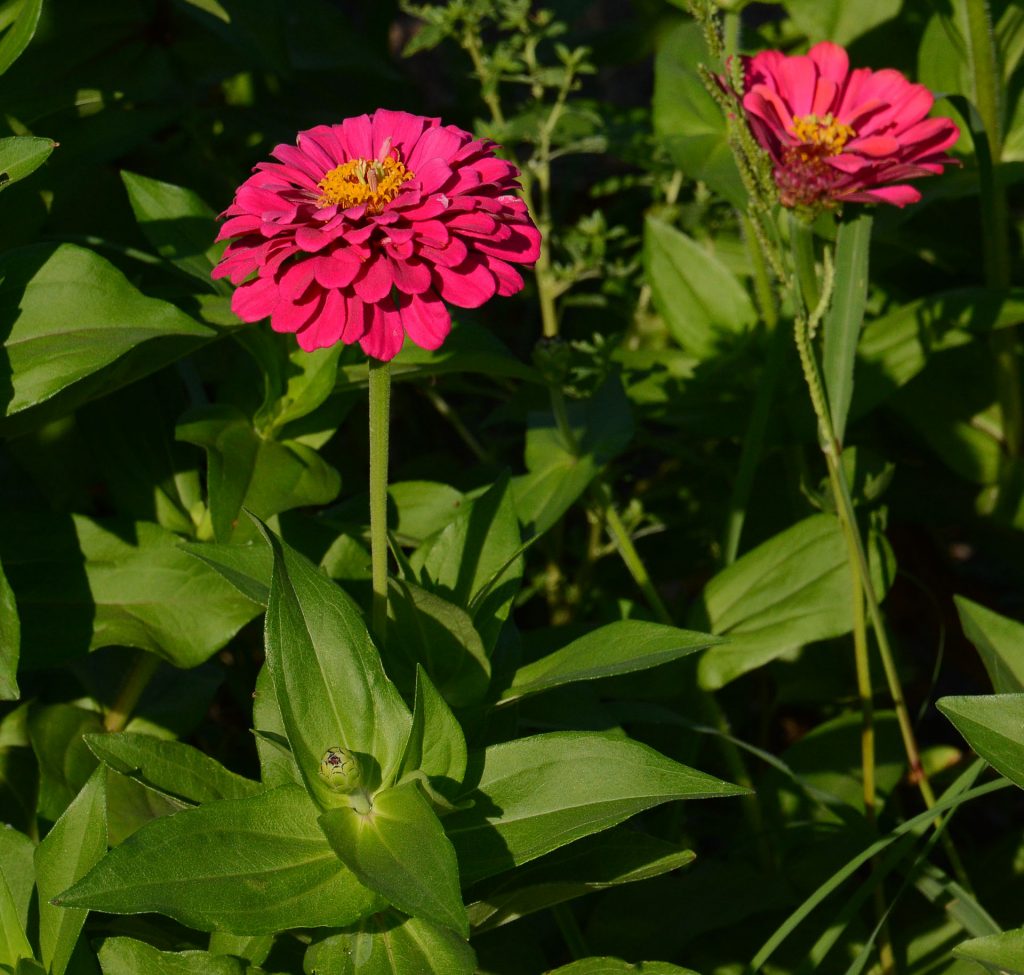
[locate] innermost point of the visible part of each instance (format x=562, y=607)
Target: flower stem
x=380, y=406
x=145, y=666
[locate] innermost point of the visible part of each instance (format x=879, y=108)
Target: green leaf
x=426, y=630
x=389, y=944
x=17, y=37
x=248, y=866
x=896, y=347
x=81, y=329
x=130, y=805
x=76, y=842
x=687, y=119
x=330, y=684
x=65, y=763
x=253, y=948
x=399, y=849
x=126, y=956
x=999, y=641
x=558, y=476
x=22, y=155
x=994, y=727
x=619, y=856
x=791, y=590
x=83, y=584
x=618, y=648
x=247, y=566
x=837, y=20
x=846, y=315
x=247, y=471
x=14, y=944
x=442, y=747
x=10, y=641
x=479, y=550
x=17, y=870
x=277, y=763
x=1000, y=954
x=616, y=966
x=536, y=794
x=702, y=303
x=178, y=224
x=170, y=767
x=424, y=507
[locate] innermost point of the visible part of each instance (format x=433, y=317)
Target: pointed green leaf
x=10, y=641
x=536, y=794
x=994, y=727
x=400, y=850
x=616, y=966
x=22, y=155
x=846, y=315
x=248, y=866
x=13, y=940
x=836, y=20
x=440, y=751
x=170, y=767
x=76, y=842
x=277, y=763
x=618, y=648
x=1000, y=954
x=389, y=944
x=247, y=566
x=18, y=870
x=17, y=37
x=328, y=678
x=126, y=956
x=1000, y=642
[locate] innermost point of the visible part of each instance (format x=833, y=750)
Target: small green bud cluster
x=341, y=769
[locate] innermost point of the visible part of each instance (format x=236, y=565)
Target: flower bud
x=341, y=770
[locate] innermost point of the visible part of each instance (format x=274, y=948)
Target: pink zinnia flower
x=361, y=232
x=837, y=136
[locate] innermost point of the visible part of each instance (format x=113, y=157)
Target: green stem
x=145, y=666
x=995, y=227
x=801, y=240
x=753, y=441
x=380, y=407
x=569, y=926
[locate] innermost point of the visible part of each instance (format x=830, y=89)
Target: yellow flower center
x=823, y=133
x=375, y=182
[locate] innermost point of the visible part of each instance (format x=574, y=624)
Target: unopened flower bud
x=341, y=770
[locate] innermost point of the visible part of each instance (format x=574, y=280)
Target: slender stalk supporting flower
x=380, y=408
x=145, y=666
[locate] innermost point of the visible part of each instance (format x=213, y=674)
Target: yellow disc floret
x=824, y=133
x=375, y=182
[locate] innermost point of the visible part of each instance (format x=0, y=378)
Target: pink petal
x=254, y=300
x=832, y=61
x=358, y=135
x=374, y=283
x=325, y=328
x=295, y=280
x=383, y=339
x=425, y=318
x=411, y=277
x=899, y=195
x=468, y=286
x=290, y=316
x=337, y=269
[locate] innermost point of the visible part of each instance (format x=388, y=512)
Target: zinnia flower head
x=363, y=231
x=836, y=135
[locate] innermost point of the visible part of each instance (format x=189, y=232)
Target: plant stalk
x=380, y=408
x=145, y=666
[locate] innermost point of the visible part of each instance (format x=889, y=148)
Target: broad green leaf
x=277, y=763
x=619, y=856
x=247, y=566
x=389, y=944
x=442, y=748
x=18, y=871
x=618, y=648
x=426, y=630
x=994, y=727
x=423, y=507
x=536, y=794
x=76, y=842
x=616, y=966
x=479, y=551
x=1000, y=954
x=846, y=315
x=248, y=866
x=178, y=224
x=468, y=348
x=687, y=119
x=14, y=944
x=999, y=641
x=17, y=37
x=65, y=762
x=557, y=475
x=302, y=386
x=791, y=590
x=837, y=20
x=83, y=584
x=22, y=155
x=702, y=303
x=893, y=349
x=19, y=771
x=247, y=471
x=126, y=956
x=80, y=328
x=330, y=684
x=253, y=948
x=170, y=767
x=130, y=805
x=399, y=849
x=10, y=641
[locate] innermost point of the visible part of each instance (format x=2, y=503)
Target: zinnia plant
x=363, y=231
x=840, y=136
